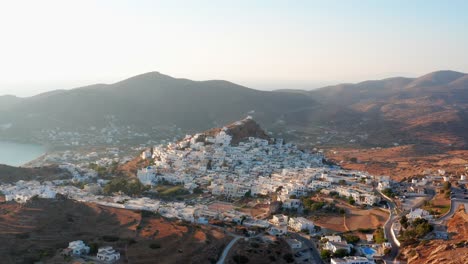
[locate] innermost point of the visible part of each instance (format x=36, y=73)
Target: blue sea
x=17, y=154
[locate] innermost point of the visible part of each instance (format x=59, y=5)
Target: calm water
x=16, y=154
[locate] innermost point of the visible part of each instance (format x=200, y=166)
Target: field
x=39, y=229
x=354, y=219
x=439, y=204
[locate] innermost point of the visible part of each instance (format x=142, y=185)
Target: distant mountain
x=148, y=100
x=7, y=101
x=431, y=109
x=436, y=78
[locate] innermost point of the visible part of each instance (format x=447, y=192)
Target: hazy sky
x=268, y=44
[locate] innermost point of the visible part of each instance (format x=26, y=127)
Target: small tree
x=325, y=254
x=351, y=239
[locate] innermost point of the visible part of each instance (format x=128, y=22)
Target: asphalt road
x=391, y=258
x=227, y=249
x=458, y=198
x=315, y=255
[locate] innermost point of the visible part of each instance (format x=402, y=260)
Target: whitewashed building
x=300, y=224
x=108, y=254
x=78, y=248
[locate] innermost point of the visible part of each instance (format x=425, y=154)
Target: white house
x=108, y=254
x=314, y=185
x=279, y=220
x=277, y=230
x=292, y=204
x=334, y=246
x=383, y=185
x=300, y=224
x=419, y=213
x=146, y=154
x=78, y=248
x=147, y=176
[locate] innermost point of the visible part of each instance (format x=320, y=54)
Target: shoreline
x=30, y=163
x=23, y=149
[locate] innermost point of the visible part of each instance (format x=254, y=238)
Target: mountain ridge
x=430, y=109
x=146, y=100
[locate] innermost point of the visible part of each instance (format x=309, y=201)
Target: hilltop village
x=239, y=179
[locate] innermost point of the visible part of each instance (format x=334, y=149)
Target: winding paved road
x=391, y=258
x=227, y=249
x=458, y=198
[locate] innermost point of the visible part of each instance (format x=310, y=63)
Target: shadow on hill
x=9, y=174
x=37, y=229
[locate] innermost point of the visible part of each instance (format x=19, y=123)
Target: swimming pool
x=368, y=251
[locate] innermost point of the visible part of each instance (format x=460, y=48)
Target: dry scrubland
x=39, y=228
x=400, y=162
x=258, y=252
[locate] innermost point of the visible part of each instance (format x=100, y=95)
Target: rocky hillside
x=241, y=131
x=431, y=109
x=453, y=251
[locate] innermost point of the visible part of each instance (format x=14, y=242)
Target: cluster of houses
x=22, y=191
x=419, y=213
x=335, y=242
x=254, y=167
x=79, y=248
x=229, y=170
x=79, y=174
x=280, y=223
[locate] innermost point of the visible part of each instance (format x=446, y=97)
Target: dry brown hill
x=9, y=174
x=39, y=229
x=432, y=109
